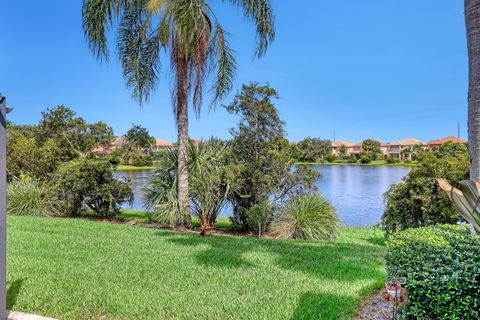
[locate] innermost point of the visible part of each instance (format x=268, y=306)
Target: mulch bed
x=375, y=308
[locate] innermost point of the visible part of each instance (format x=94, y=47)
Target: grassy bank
x=80, y=269
x=372, y=163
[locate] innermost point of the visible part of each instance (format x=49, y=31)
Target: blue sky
x=372, y=68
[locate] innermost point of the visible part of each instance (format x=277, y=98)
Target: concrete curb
x=14, y=315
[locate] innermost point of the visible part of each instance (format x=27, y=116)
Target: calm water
x=356, y=191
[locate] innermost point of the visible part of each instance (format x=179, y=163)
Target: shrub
x=26, y=197
x=352, y=159
x=139, y=159
x=330, y=157
x=418, y=201
x=408, y=161
x=308, y=217
x=365, y=158
x=88, y=183
x=390, y=160
x=441, y=268
x=259, y=217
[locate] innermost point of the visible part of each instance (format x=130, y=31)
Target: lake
x=356, y=191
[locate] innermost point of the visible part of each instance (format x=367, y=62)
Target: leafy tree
x=343, y=151
x=372, y=147
x=313, y=149
x=418, y=200
x=262, y=153
x=73, y=135
x=59, y=137
x=191, y=35
x=138, y=138
x=89, y=183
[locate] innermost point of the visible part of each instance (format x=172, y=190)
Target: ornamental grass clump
x=307, y=217
x=26, y=197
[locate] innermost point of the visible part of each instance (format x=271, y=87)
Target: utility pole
x=458, y=136
x=334, y=136
x=3, y=207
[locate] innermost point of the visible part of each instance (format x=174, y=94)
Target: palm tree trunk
x=182, y=140
x=472, y=21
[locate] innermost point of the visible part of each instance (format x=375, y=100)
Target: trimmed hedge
x=441, y=268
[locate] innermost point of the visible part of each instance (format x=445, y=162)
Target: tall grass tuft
x=26, y=198
x=308, y=217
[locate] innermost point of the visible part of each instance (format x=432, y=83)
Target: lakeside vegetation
x=80, y=269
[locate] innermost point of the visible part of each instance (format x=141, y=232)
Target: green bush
x=440, y=266
x=140, y=159
x=89, y=184
x=330, y=157
x=418, y=201
x=308, y=217
x=352, y=159
x=365, y=158
x=26, y=197
x=390, y=160
x=259, y=217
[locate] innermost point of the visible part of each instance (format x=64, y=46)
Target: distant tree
x=343, y=151
x=191, y=35
x=262, y=154
x=313, y=149
x=138, y=138
x=372, y=147
x=59, y=137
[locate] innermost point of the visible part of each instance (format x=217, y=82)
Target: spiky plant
x=211, y=183
x=193, y=40
x=308, y=217
x=465, y=198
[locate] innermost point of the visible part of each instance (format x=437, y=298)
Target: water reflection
x=356, y=191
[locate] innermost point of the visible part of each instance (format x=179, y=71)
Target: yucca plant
x=466, y=200
x=308, y=217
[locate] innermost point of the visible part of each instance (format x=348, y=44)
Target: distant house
x=403, y=149
x=104, y=150
x=337, y=144
x=161, y=144
x=358, y=147
x=439, y=142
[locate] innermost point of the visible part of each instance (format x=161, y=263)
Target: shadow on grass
x=13, y=290
x=329, y=260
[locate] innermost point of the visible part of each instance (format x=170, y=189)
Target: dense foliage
x=418, y=200
x=60, y=136
x=440, y=266
x=89, y=184
x=262, y=154
x=308, y=217
x=372, y=148
x=313, y=149
x=211, y=183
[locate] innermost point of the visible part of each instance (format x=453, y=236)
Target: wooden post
x=3, y=207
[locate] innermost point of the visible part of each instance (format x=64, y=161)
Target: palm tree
x=472, y=20
x=195, y=43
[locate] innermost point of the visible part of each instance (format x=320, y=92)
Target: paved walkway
x=14, y=315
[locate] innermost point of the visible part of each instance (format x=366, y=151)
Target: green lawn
x=81, y=269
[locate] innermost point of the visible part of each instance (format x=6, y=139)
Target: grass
x=141, y=216
x=372, y=163
x=81, y=269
